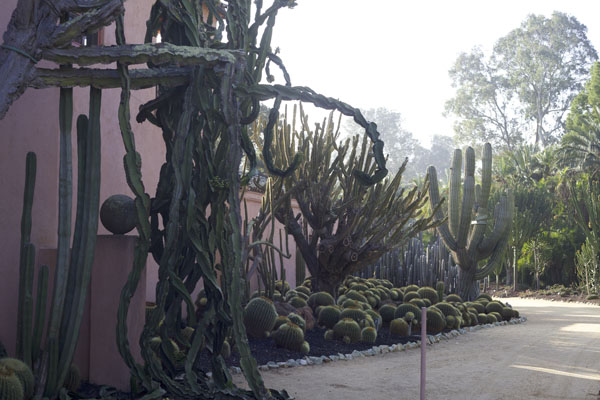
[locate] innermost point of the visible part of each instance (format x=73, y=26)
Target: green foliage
x=524, y=86
x=10, y=385
x=580, y=146
x=259, y=317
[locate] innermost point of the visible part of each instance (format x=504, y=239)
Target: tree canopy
x=523, y=90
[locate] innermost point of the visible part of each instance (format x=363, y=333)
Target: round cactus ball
x=118, y=214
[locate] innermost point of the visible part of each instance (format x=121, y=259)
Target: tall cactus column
x=465, y=233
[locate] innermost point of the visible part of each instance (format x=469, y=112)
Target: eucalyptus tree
x=523, y=90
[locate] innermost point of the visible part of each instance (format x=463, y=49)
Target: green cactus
x=482, y=318
x=353, y=312
x=480, y=308
x=329, y=334
x=302, y=289
x=435, y=322
x=387, y=313
x=491, y=318
x=494, y=306
x=447, y=309
x=440, y=289
x=320, y=299
x=259, y=317
x=281, y=319
x=226, y=349
x=410, y=288
x=289, y=336
x=297, y=302
x=418, y=302
x=369, y=335
x=429, y=293
x=408, y=296
x=329, y=316
x=402, y=309
x=300, y=267
x=298, y=320
x=10, y=385
x=451, y=321
x=454, y=298
x=399, y=327
x=73, y=379
x=497, y=315
x=464, y=233
x=24, y=374
x=305, y=348
x=484, y=296
x=347, y=328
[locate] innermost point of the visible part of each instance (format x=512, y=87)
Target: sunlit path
x=554, y=355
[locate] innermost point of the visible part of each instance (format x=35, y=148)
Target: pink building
x=32, y=125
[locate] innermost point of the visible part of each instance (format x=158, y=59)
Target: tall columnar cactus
x=465, y=232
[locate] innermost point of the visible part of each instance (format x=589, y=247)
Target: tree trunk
x=514, y=268
x=467, y=287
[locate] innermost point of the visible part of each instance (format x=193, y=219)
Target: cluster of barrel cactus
x=17, y=381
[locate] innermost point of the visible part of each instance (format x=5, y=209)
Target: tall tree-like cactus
x=351, y=225
x=466, y=233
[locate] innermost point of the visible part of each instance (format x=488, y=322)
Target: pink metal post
x=423, y=346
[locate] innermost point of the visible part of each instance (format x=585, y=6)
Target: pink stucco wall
x=32, y=125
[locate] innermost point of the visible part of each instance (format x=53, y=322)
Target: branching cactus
x=466, y=233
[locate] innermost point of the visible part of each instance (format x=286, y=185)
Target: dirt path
x=554, y=355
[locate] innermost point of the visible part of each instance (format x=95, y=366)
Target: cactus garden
x=258, y=237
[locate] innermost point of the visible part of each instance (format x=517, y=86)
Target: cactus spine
x=465, y=236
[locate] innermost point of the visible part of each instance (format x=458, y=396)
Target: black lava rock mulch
x=265, y=350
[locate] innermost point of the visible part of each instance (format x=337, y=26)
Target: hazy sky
x=396, y=54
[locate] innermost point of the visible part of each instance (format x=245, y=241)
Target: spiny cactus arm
x=454, y=193
x=33, y=29
x=28, y=192
x=109, y=78
x=157, y=54
x=305, y=94
x=434, y=201
x=40, y=311
x=496, y=258
x=91, y=198
x=503, y=215
x=466, y=211
x=486, y=175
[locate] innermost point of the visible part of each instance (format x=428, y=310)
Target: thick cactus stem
x=464, y=236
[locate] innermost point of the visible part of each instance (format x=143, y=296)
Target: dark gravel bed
x=265, y=350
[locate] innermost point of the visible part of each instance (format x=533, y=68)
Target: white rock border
x=377, y=350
